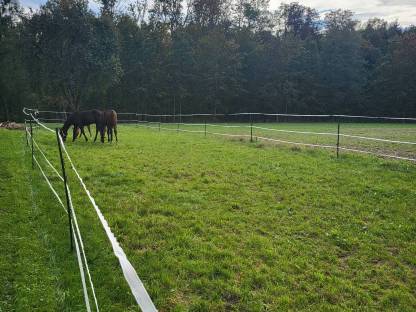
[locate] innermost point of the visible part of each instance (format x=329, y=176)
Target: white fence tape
x=77, y=249
x=73, y=213
x=251, y=114
x=44, y=156
x=295, y=131
x=74, y=217
x=376, y=154
x=130, y=274
x=284, y=131
x=296, y=143
x=139, y=292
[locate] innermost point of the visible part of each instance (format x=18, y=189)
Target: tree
x=393, y=89
x=14, y=88
x=298, y=20
x=340, y=20
x=342, y=75
x=73, y=53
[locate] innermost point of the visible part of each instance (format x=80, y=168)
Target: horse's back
x=110, y=117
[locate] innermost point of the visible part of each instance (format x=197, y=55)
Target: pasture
x=214, y=224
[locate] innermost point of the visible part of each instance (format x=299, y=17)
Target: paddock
x=213, y=222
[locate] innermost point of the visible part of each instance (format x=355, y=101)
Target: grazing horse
x=81, y=119
x=78, y=131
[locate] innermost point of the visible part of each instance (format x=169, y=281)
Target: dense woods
x=205, y=56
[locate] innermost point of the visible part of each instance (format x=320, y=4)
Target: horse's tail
x=112, y=118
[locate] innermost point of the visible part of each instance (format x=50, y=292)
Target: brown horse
x=81, y=119
x=110, y=117
x=109, y=121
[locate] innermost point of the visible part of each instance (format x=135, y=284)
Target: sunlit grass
x=217, y=225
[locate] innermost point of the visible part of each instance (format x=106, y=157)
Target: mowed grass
x=323, y=133
x=213, y=224
x=38, y=272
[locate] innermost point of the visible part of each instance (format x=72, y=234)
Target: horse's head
x=63, y=133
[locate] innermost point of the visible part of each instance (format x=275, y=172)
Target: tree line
x=205, y=56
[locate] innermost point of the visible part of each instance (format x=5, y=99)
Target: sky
x=404, y=11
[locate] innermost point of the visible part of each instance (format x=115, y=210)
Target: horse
x=110, y=117
x=81, y=119
x=78, y=132
x=109, y=122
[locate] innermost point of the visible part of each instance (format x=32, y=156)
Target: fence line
x=46, y=159
x=251, y=126
x=377, y=154
x=251, y=114
x=294, y=131
x=130, y=274
x=288, y=131
x=82, y=246
x=80, y=264
x=73, y=215
x=376, y=139
x=296, y=143
x=133, y=280
x=146, y=124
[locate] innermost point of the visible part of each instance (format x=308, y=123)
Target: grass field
x=390, y=131
x=211, y=224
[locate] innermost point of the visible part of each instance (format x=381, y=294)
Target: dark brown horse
x=81, y=119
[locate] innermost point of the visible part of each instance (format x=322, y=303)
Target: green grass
x=391, y=131
x=212, y=224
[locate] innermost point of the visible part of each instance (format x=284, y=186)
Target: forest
x=203, y=56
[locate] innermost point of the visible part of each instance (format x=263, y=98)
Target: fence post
x=27, y=141
x=160, y=120
x=177, y=130
x=31, y=140
x=251, y=128
x=205, y=126
x=338, y=139
x=66, y=188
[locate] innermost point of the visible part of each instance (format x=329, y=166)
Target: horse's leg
x=102, y=130
x=108, y=134
x=115, y=132
x=89, y=130
x=111, y=133
x=96, y=132
x=83, y=133
x=74, y=133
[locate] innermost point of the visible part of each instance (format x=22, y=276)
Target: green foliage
x=214, y=56
x=14, y=89
x=73, y=53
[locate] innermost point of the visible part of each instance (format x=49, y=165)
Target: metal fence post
x=251, y=128
x=27, y=141
x=31, y=140
x=205, y=126
x=338, y=139
x=66, y=188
